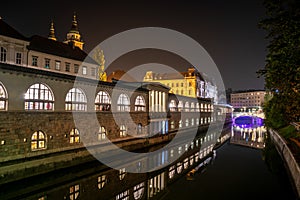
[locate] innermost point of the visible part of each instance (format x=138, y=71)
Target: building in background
x=248, y=98
x=190, y=83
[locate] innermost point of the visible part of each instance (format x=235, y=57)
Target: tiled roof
x=9, y=31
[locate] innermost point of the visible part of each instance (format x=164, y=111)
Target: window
x=197, y=107
x=74, y=192
x=57, y=65
x=84, y=70
x=76, y=68
x=2, y=54
x=140, y=104
x=93, y=71
x=123, y=196
x=3, y=97
x=186, y=107
x=102, y=101
x=39, y=97
x=179, y=168
x=177, y=85
x=76, y=100
x=122, y=173
x=186, y=163
x=18, y=58
x=67, y=67
x=74, y=136
x=34, y=61
x=171, y=172
x=180, y=124
x=192, y=107
x=123, y=103
x=139, y=128
x=180, y=106
x=38, y=141
x=123, y=131
x=172, y=125
x=47, y=63
x=101, y=181
x=101, y=133
x=186, y=122
x=172, y=106
x=181, y=85
x=138, y=191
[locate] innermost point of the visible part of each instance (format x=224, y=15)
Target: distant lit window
x=179, y=168
x=197, y=107
x=187, y=107
x=186, y=122
x=67, y=67
x=172, y=106
x=139, y=128
x=74, y=192
x=101, y=133
x=84, y=70
x=3, y=97
x=34, y=61
x=140, y=104
x=123, y=196
x=172, y=124
x=74, y=136
x=180, y=124
x=39, y=97
x=102, y=180
x=123, y=131
x=57, y=65
x=38, y=140
x=102, y=101
x=171, y=172
x=76, y=68
x=122, y=173
x=123, y=103
x=192, y=107
x=186, y=163
x=138, y=191
x=18, y=58
x=75, y=100
x=180, y=106
x=191, y=160
x=192, y=122
x=47, y=63
x=2, y=54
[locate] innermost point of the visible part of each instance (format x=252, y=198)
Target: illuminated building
x=74, y=37
x=190, y=83
x=250, y=98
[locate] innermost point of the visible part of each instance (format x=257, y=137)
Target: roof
x=42, y=44
x=120, y=75
x=9, y=31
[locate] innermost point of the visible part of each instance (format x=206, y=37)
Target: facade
x=189, y=83
x=250, y=98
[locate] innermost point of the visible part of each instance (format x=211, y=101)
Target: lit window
x=191, y=160
x=74, y=192
x=3, y=97
x=84, y=70
x=123, y=131
x=74, y=136
x=171, y=172
x=39, y=97
x=38, y=140
x=192, y=107
x=172, y=106
x=140, y=104
x=47, y=63
x=18, y=58
x=122, y=173
x=34, y=61
x=138, y=191
x=123, y=103
x=101, y=181
x=2, y=54
x=180, y=106
x=57, y=65
x=101, y=133
x=67, y=67
x=172, y=124
x=192, y=122
x=186, y=163
x=76, y=100
x=186, y=107
x=180, y=124
x=102, y=101
x=123, y=196
x=179, y=168
x=139, y=128
x=186, y=122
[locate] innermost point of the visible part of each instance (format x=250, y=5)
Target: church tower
x=51, y=35
x=73, y=36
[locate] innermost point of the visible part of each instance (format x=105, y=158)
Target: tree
x=282, y=69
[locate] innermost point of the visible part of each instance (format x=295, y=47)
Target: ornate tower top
x=51, y=35
x=73, y=36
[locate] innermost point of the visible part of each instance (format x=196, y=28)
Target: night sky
x=226, y=29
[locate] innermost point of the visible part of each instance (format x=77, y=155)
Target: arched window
x=123, y=131
x=2, y=54
x=102, y=101
x=101, y=133
x=3, y=97
x=180, y=106
x=38, y=141
x=139, y=128
x=75, y=100
x=74, y=136
x=39, y=97
x=192, y=107
x=187, y=107
x=138, y=191
x=140, y=104
x=123, y=103
x=172, y=106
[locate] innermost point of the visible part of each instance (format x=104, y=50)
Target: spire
x=51, y=35
x=73, y=36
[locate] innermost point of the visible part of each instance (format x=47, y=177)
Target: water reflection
x=248, y=131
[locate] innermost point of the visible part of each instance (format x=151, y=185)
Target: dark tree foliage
x=282, y=69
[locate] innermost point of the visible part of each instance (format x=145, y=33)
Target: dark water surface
x=237, y=173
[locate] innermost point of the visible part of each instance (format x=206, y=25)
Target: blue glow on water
x=248, y=122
